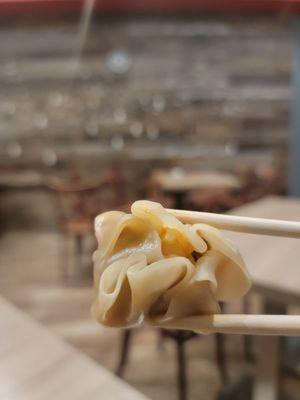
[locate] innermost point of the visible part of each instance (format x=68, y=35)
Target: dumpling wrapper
x=151, y=267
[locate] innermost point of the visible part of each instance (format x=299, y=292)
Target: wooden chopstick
x=243, y=324
x=262, y=226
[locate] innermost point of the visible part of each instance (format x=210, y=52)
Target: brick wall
x=188, y=81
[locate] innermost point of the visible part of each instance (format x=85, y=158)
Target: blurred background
x=187, y=103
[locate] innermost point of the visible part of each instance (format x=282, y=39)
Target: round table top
x=178, y=180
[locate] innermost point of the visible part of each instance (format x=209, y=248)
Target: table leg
x=126, y=336
x=267, y=368
x=220, y=357
x=247, y=339
x=180, y=338
x=266, y=385
x=179, y=200
x=181, y=371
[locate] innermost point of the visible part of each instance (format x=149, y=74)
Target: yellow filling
x=175, y=244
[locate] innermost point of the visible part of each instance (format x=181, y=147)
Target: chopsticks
x=243, y=324
x=262, y=226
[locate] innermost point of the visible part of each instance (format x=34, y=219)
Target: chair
x=179, y=338
x=77, y=204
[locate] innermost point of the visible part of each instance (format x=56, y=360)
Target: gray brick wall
x=192, y=81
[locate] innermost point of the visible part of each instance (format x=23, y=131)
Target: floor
x=31, y=277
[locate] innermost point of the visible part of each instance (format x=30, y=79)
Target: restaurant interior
x=191, y=104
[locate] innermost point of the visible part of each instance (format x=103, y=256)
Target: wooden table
x=273, y=263
x=177, y=182
x=37, y=365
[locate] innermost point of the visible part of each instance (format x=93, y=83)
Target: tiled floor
x=31, y=278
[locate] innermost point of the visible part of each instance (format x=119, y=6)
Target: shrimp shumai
x=151, y=267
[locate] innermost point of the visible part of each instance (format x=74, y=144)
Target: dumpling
x=150, y=267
